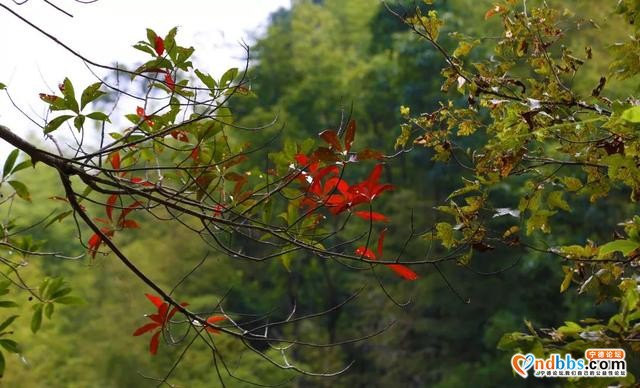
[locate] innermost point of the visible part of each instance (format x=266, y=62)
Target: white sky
x=104, y=32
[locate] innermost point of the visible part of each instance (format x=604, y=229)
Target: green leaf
x=52, y=286
x=2, y=363
x=36, y=320
x=555, y=200
x=99, y=116
x=153, y=65
x=70, y=95
x=207, y=80
x=571, y=183
x=73, y=300
x=43, y=286
x=10, y=162
x=570, y=328
x=224, y=115
x=78, y=122
x=60, y=292
x=183, y=54
x=9, y=345
x=267, y=211
x=624, y=246
x=228, y=77
x=48, y=310
x=7, y=322
x=145, y=48
x=58, y=218
x=632, y=114
x=170, y=43
x=469, y=187
x=22, y=166
x=568, y=277
x=2, y=86
x=21, y=190
x=55, y=102
x=286, y=260
x=55, y=123
x=92, y=93
x=151, y=37
x=445, y=234
x=8, y=303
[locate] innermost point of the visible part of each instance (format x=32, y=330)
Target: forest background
x=315, y=63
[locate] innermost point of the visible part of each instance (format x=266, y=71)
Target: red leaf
x=379, y=189
x=366, y=252
x=102, y=221
x=115, y=160
x=331, y=137
x=129, y=209
x=169, y=81
x=302, y=159
x=140, y=112
x=373, y=216
x=368, y=154
x=212, y=320
x=48, y=98
x=155, y=341
x=335, y=183
x=156, y=300
x=217, y=210
x=195, y=154
x=110, y=202
x=163, y=309
x=159, y=46
x=157, y=318
x=349, y=135
x=325, y=154
x=403, y=271
x=94, y=244
x=216, y=318
x=175, y=310
x=145, y=328
x=375, y=174
x=130, y=224
x=496, y=9
x=140, y=181
x=381, y=242
x=180, y=136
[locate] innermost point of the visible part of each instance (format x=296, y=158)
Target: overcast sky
x=104, y=32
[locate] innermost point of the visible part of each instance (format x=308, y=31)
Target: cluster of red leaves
x=326, y=188
x=118, y=223
x=402, y=270
x=160, y=319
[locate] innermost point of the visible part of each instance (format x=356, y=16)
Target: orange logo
x=521, y=364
